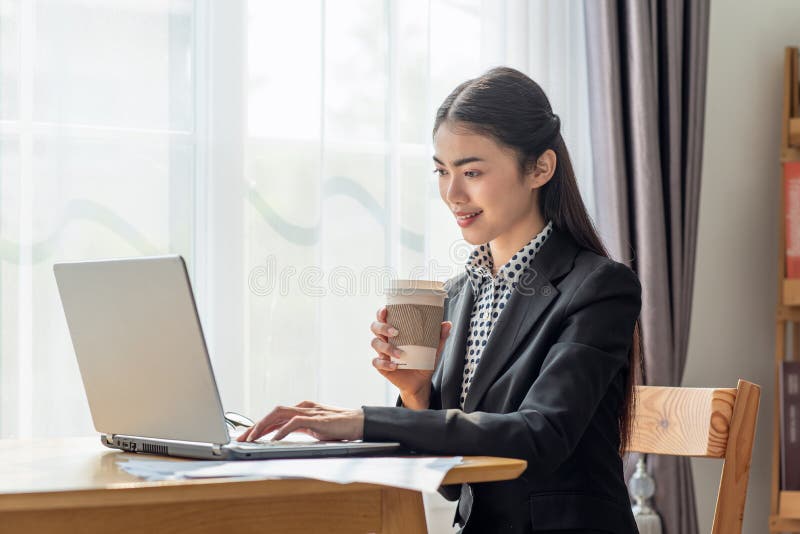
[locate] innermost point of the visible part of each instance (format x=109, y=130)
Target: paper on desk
x=419, y=474
x=162, y=469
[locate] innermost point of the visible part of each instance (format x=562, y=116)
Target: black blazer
x=548, y=390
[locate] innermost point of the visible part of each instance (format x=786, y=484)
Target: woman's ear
x=543, y=169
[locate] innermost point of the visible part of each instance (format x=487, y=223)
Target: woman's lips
x=464, y=222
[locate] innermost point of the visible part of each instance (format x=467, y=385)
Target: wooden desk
x=74, y=485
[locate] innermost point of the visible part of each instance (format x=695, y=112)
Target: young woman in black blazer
x=552, y=320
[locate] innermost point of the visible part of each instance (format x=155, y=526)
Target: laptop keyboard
x=281, y=443
x=300, y=440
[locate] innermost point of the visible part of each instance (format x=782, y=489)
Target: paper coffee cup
x=416, y=309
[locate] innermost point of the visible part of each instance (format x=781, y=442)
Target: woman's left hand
x=323, y=422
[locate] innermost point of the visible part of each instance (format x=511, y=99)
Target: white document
x=162, y=469
x=419, y=474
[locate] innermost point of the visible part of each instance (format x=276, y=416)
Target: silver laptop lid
x=140, y=348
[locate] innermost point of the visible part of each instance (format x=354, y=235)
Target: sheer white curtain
x=283, y=148
x=96, y=159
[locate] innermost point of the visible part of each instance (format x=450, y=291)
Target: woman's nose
x=455, y=193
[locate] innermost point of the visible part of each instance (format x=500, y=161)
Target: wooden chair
x=706, y=423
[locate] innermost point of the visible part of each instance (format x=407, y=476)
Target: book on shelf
x=795, y=107
x=793, y=128
x=791, y=198
x=790, y=425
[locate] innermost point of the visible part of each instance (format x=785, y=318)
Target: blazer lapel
x=552, y=262
x=455, y=346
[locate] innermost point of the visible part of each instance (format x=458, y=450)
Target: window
x=282, y=147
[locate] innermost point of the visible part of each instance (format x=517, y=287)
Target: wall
x=732, y=330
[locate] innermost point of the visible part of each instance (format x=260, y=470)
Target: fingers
x=319, y=408
x=244, y=436
x=381, y=344
x=252, y=435
x=277, y=416
x=305, y=411
x=295, y=423
x=446, y=327
x=382, y=363
x=384, y=347
x=383, y=329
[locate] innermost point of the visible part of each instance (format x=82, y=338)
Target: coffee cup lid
x=416, y=285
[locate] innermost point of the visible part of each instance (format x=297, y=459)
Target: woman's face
x=479, y=176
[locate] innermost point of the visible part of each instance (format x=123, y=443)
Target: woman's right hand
x=411, y=382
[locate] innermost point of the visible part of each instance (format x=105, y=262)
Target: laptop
x=145, y=366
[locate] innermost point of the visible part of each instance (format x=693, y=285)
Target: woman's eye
x=439, y=172
x=472, y=174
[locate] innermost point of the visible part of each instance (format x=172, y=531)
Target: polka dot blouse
x=491, y=296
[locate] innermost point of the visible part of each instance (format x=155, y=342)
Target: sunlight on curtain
x=282, y=147
x=95, y=161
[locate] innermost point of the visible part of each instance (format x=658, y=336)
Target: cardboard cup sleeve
x=420, y=329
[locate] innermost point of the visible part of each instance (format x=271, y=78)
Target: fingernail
x=393, y=331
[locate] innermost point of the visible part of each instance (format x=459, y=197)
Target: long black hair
x=511, y=108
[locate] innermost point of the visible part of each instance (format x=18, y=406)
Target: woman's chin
x=473, y=238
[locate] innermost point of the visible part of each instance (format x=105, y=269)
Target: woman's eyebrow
x=459, y=162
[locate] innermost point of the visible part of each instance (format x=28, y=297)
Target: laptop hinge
x=216, y=449
x=108, y=438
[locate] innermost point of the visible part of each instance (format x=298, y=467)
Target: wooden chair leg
x=732, y=494
x=403, y=512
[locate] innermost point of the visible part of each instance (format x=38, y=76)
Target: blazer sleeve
x=590, y=351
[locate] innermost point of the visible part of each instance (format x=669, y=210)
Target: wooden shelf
x=785, y=505
x=794, y=131
x=789, y=507
x=791, y=292
x=783, y=524
x=790, y=153
x=788, y=313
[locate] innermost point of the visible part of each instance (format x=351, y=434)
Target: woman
x=545, y=344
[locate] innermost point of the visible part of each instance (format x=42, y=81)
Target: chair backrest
x=706, y=423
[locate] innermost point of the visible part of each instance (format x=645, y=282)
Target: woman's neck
x=504, y=246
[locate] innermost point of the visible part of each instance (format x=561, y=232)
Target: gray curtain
x=647, y=77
